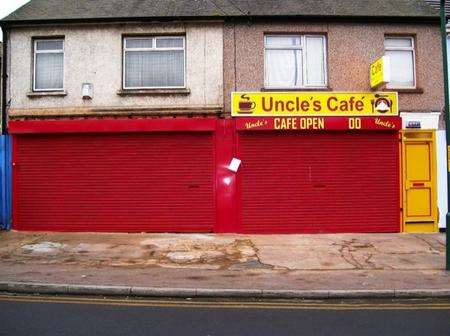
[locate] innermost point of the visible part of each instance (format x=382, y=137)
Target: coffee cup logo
x=382, y=104
x=245, y=105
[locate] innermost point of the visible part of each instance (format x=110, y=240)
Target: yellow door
x=419, y=181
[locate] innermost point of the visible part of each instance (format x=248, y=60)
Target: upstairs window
x=154, y=62
x=295, y=61
x=402, y=58
x=48, y=74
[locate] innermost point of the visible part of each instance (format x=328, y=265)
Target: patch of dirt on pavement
x=355, y=253
x=409, y=252
x=171, y=251
x=201, y=253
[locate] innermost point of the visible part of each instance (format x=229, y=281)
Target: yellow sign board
x=380, y=72
x=268, y=104
x=448, y=159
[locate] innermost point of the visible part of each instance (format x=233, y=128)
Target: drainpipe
x=447, y=130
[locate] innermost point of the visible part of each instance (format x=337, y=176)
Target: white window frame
x=411, y=48
x=302, y=47
x=153, y=48
x=54, y=51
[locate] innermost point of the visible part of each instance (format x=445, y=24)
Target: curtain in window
x=154, y=68
x=402, y=68
x=50, y=45
x=49, y=71
x=284, y=68
x=169, y=42
x=283, y=41
x=315, y=73
x=138, y=43
x=398, y=42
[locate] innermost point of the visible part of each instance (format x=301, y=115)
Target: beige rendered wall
x=93, y=54
x=351, y=49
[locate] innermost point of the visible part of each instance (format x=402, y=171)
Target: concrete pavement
x=387, y=264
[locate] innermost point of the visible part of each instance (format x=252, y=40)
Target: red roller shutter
x=319, y=182
x=153, y=182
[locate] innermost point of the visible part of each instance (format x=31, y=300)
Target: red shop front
x=318, y=174
x=129, y=175
x=172, y=175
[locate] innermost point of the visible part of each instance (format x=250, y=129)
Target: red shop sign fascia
x=319, y=123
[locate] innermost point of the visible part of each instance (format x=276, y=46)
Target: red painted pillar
x=226, y=200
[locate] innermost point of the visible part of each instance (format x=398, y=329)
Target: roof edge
x=387, y=19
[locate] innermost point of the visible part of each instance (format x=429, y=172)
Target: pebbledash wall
x=93, y=54
x=351, y=48
x=219, y=61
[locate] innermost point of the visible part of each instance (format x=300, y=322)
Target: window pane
x=398, y=42
x=315, y=67
x=169, y=42
x=283, y=41
x=49, y=71
x=283, y=68
x=138, y=42
x=49, y=45
x=402, y=68
x=154, y=68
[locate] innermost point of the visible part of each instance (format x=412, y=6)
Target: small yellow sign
x=268, y=104
x=448, y=159
x=380, y=72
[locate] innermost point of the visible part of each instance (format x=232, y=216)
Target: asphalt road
x=86, y=316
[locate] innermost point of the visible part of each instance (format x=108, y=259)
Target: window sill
x=39, y=94
x=264, y=89
x=404, y=90
x=152, y=92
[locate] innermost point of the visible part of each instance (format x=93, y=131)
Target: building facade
x=348, y=50
x=125, y=123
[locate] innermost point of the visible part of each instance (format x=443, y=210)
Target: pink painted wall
x=351, y=49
